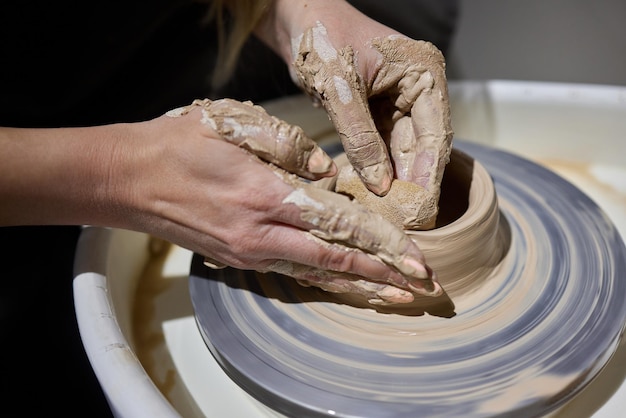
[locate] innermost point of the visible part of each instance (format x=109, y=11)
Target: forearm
x=286, y=20
x=56, y=176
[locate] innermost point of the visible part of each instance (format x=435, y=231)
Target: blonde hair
x=246, y=14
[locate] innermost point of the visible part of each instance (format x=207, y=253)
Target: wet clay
x=468, y=240
x=407, y=205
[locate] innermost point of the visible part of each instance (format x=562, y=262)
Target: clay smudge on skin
x=421, y=138
x=407, y=205
x=412, y=75
x=177, y=112
x=299, y=198
x=273, y=140
x=322, y=45
x=338, y=219
x=342, y=283
x=338, y=228
x=338, y=224
x=343, y=90
x=335, y=218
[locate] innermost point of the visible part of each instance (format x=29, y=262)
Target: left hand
x=385, y=93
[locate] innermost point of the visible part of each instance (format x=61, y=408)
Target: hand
x=385, y=93
x=223, y=202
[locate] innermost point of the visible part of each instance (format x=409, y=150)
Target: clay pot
x=467, y=241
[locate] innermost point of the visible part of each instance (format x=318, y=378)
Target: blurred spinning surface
x=538, y=329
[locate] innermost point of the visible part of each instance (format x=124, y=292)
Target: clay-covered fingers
x=331, y=76
x=412, y=77
x=337, y=220
x=273, y=140
x=344, y=283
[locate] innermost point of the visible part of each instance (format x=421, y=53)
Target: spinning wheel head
x=531, y=328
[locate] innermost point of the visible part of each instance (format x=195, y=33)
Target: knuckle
x=243, y=253
x=339, y=260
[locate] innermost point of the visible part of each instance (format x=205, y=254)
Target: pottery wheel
x=541, y=327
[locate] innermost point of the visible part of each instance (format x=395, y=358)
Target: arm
x=59, y=176
x=189, y=177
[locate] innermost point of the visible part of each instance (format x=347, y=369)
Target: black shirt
x=80, y=63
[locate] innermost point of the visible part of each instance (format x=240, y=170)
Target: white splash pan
x=147, y=352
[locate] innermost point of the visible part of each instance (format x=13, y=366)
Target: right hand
x=191, y=183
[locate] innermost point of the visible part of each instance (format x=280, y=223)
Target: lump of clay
x=407, y=205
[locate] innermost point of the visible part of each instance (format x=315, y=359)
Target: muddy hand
x=336, y=282
x=269, y=138
x=410, y=106
x=406, y=101
x=331, y=76
x=348, y=249
x=345, y=225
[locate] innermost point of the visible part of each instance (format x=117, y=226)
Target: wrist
x=286, y=21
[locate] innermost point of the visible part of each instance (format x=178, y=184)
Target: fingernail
x=377, y=178
x=416, y=269
x=426, y=287
x=320, y=163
